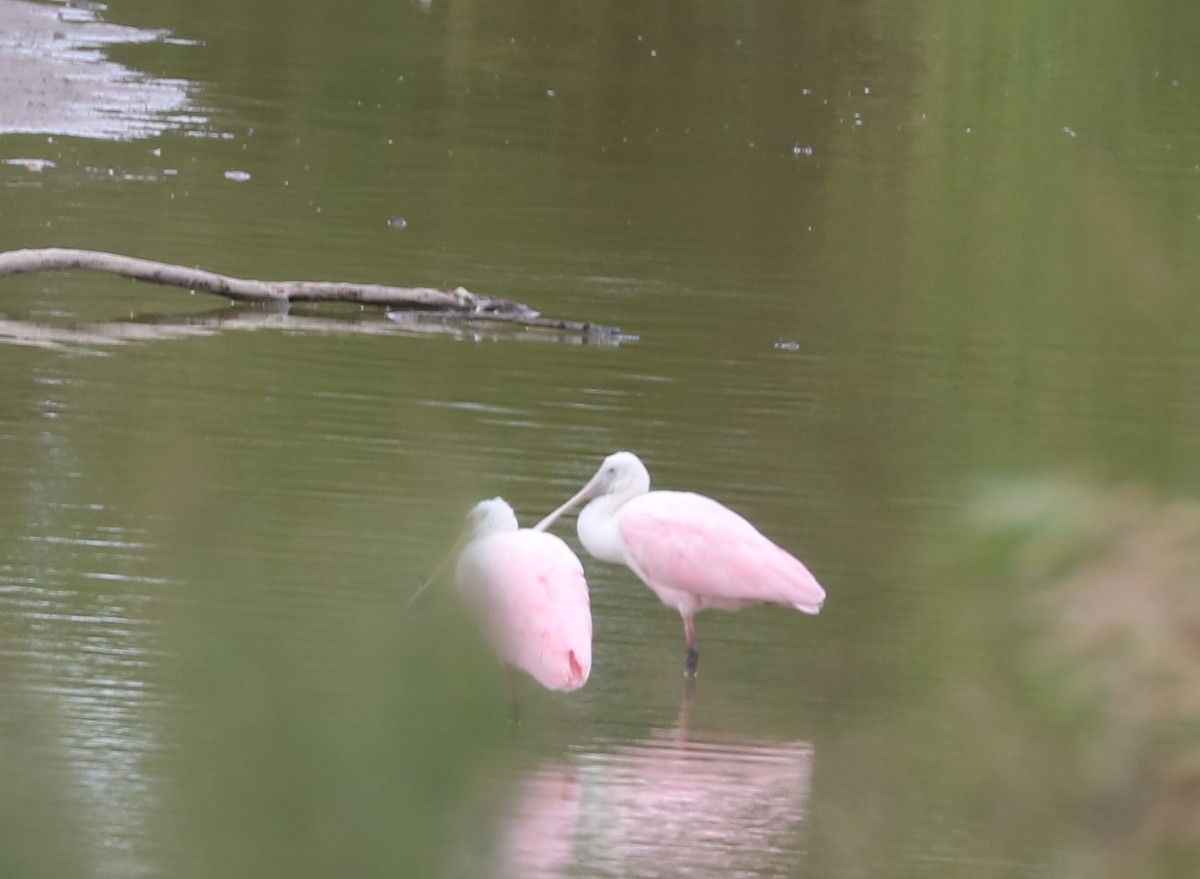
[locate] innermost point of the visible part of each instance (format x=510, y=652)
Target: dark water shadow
x=97, y=336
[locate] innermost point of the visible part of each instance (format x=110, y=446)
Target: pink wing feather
x=695, y=553
x=528, y=592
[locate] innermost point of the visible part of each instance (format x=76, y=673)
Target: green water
x=911, y=286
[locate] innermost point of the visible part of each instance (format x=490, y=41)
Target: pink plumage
x=692, y=551
x=695, y=553
x=527, y=591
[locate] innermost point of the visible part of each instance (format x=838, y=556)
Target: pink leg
x=693, y=655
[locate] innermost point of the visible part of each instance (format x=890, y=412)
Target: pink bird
x=527, y=592
x=690, y=550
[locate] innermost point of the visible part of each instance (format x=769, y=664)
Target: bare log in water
x=459, y=303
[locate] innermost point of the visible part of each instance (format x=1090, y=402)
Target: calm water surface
x=886, y=273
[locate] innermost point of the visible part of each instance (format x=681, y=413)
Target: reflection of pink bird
x=692, y=551
x=666, y=805
x=527, y=591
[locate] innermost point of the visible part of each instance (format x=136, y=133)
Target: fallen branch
x=460, y=303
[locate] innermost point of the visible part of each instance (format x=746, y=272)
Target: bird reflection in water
x=669, y=805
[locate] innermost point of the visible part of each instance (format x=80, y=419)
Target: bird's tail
x=579, y=673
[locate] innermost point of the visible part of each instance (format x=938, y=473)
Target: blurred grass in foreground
x=320, y=742
x=1098, y=739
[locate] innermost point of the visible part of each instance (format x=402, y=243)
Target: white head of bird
x=492, y=516
x=622, y=477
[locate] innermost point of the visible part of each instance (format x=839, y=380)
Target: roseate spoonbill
x=690, y=550
x=527, y=592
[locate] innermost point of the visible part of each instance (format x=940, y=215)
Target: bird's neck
x=598, y=529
